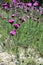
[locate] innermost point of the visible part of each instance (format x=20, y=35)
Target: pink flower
x=13, y=32
x=35, y=4
x=11, y=21
x=4, y=4
x=14, y=1
x=41, y=12
x=13, y=15
x=5, y=7
x=29, y=4
x=10, y=5
x=16, y=25
x=17, y=7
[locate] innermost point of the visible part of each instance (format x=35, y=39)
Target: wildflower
x=16, y=25
x=41, y=10
x=5, y=7
x=13, y=15
x=11, y=21
x=4, y=4
x=19, y=3
x=14, y=1
x=13, y=32
x=36, y=3
x=22, y=3
x=29, y=4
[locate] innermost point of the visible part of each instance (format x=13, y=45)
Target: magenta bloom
x=22, y=19
x=35, y=4
x=11, y=21
x=14, y=1
x=4, y=4
x=13, y=15
x=16, y=25
x=13, y=32
x=5, y=7
x=29, y=4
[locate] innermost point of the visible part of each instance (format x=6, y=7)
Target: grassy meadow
x=28, y=35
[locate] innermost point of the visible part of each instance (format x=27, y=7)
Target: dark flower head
x=16, y=25
x=13, y=32
x=11, y=21
x=22, y=19
x=5, y=6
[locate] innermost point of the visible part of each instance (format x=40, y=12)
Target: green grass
x=29, y=34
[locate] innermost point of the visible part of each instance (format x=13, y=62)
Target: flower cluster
x=5, y=6
x=16, y=26
x=28, y=9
